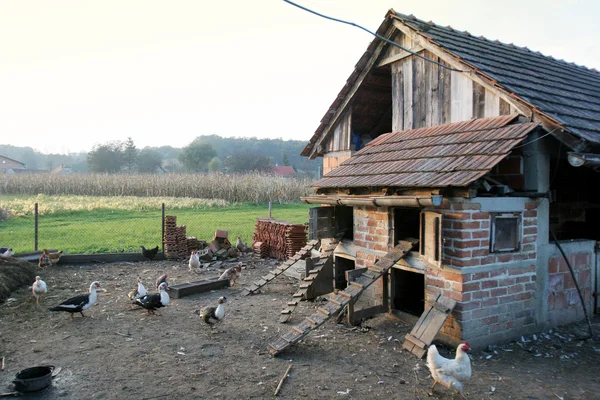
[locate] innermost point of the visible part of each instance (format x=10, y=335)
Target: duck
x=232, y=273
x=217, y=313
x=140, y=291
x=79, y=303
x=161, y=279
x=194, y=261
x=39, y=289
x=157, y=300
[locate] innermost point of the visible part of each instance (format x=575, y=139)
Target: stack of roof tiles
x=260, y=249
x=283, y=239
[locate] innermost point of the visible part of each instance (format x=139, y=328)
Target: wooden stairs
x=301, y=254
x=338, y=302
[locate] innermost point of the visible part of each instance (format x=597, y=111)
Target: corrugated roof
x=453, y=154
x=567, y=92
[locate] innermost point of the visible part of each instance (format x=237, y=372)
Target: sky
x=78, y=73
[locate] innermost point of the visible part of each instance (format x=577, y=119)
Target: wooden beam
x=396, y=57
x=560, y=133
x=350, y=95
x=450, y=59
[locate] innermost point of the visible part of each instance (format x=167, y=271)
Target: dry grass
x=254, y=188
x=13, y=274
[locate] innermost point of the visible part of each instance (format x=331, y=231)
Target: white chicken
x=39, y=289
x=194, y=262
x=447, y=372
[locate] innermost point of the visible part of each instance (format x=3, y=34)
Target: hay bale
x=14, y=273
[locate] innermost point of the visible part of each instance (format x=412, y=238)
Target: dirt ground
x=122, y=353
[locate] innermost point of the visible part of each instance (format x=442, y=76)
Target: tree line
x=204, y=154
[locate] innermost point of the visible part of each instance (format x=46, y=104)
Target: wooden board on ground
x=187, y=289
x=429, y=324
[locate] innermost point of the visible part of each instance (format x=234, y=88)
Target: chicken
x=44, y=261
x=54, y=257
x=39, y=289
x=217, y=313
x=232, y=273
x=161, y=279
x=149, y=253
x=194, y=261
x=447, y=372
x=6, y=252
x=138, y=292
x=239, y=245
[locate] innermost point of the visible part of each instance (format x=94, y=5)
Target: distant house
x=285, y=171
x=8, y=165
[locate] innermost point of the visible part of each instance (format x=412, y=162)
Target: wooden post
x=162, y=236
x=270, y=206
x=35, y=230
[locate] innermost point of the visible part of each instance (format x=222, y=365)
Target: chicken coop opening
x=341, y=266
x=407, y=291
x=406, y=223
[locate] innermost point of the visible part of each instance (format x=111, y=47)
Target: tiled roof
x=283, y=170
x=453, y=154
x=567, y=92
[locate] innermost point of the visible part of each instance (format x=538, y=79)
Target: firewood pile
x=175, y=240
x=282, y=239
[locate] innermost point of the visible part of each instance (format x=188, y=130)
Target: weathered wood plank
x=445, y=94
x=504, y=107
x=419, y=92
x=461, y=88
x=478, y=101
x=432, y=98
x=397, y=97
x=407, y=90
x=492, y=104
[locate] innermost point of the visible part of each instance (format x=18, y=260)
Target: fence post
x=270, y=204
x=162, y=236
x=35, y=234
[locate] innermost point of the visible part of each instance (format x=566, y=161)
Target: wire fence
x=124, y=231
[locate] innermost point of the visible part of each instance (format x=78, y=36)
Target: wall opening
x=406, y=223
x=341, y=266
x=408, y=291
x=344, y=221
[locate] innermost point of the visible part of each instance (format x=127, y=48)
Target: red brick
x=471, y=286
x=529, y=239
x=466, y=206
x=453, y=295
x=584, y=278
x=451, y=276
x=516, y=288
x=490, y=320
x=457, y=216
x=359, y=228
x=373, y=223
x=492, y=301
x=488, y=260
x=467, y=225
x=458, y=234
x=472, y=305
x=360, y=243
x=485, y=243
x=381, y=216
x=469, y=262
x=530, y=214
x=499, y=292
x=483, y=234
x=553, y=265
x=381, y=247
x=498, y=272
x=528, y=247
x=480, y=294
x=506, y=281
x=530, y=230
x=523, y=279
x=485, y=224
x=506, y=299
x=531, y=286
x=480, y=215
x=489, y=284
x=480, y=252
x=529, y=222
x=582, y=261
x=359, y=236
x=523, y=296
x=505, y=257
x=531, y=205
x=465, y=244
x=434, y=282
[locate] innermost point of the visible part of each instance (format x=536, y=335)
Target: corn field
x=234, y=188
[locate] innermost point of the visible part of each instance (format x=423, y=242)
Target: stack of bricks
x=193, y=244
x=175, y=240
x=282, y=238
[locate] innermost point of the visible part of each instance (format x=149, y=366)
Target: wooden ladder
x=341, y=299
x=300, y=254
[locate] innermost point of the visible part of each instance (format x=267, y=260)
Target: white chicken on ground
x=39, y=289
x=194, y=262
x=450, y=372
x=232, y=274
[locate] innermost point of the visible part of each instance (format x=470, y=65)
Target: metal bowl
x=33, y=379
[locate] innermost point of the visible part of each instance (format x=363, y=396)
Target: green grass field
x=100, y=230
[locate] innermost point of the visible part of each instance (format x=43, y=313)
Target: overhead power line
x=374, y=34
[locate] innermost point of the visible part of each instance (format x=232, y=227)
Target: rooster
x=239, y=245
x=149, y=253
x=194, y=262
x=447, y=372
x=44, y=261
x=232, y=273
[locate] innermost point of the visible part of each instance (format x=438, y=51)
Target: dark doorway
x=408, y=291
x=344, y=220
x=341, y=266
x=406, y=223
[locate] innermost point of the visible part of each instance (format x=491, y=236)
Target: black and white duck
x=157, y=300
x=79, y=303
x=217, y=313
x=138, y=292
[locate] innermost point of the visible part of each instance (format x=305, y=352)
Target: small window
x=506, y=232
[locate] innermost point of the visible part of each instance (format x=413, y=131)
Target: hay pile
x=14, y=273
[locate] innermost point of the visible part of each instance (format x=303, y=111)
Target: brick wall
x=333, y=160
x=564, y=305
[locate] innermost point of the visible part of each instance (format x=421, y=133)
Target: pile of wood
x=175, y=240
x=282, y=239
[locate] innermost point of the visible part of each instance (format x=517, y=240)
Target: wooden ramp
x=301, y=254
x=339, y=301
x=437, y=309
